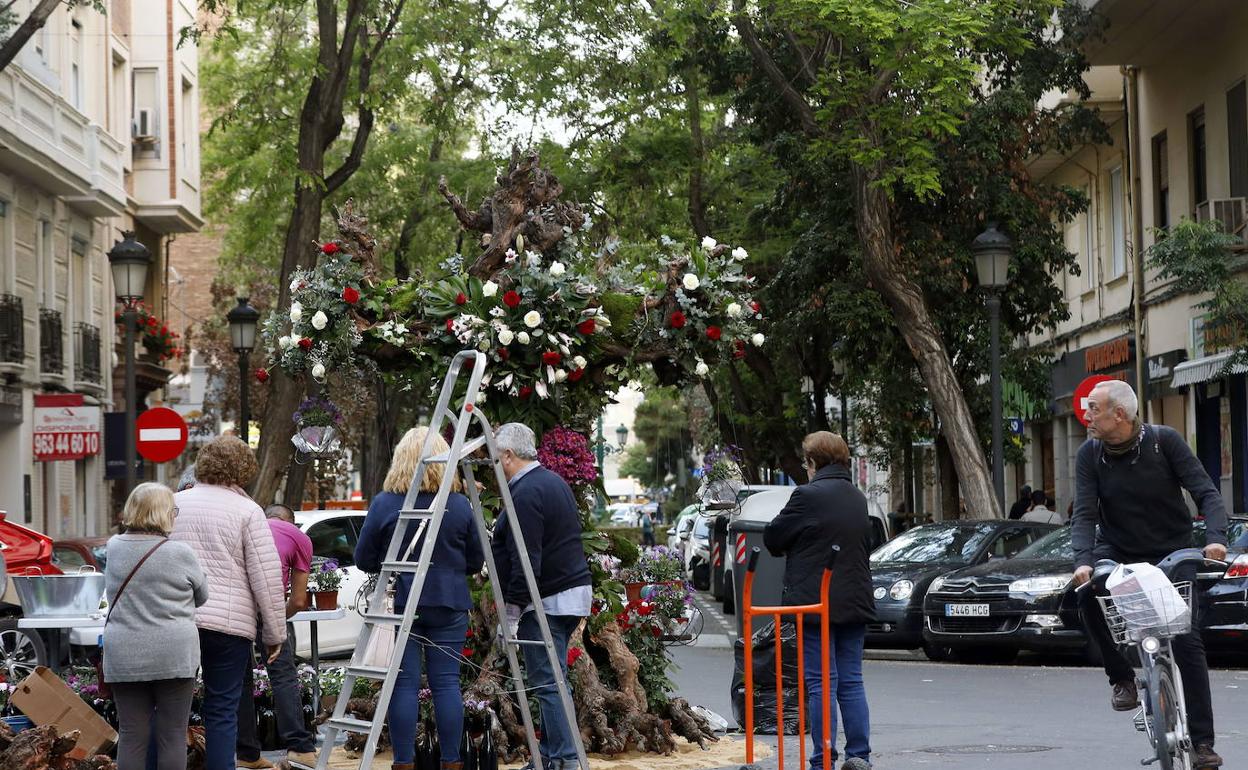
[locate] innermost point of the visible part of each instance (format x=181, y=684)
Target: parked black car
x=995, y=609
x=904, y=567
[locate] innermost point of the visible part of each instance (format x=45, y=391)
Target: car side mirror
x=671, y=531
x=684, y=535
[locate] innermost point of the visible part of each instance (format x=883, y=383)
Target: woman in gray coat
x=151, y=644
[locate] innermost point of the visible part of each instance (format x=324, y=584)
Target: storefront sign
x=1160, y=368
x=1111, y=355
x=64, y=428
x=1114, y=359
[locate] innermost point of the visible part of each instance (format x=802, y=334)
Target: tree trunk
x=378, y=445
x=697, y=155
x=873, y=211
x=32, y=24
x=949, y=496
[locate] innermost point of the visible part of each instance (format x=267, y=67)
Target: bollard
x=820, y=610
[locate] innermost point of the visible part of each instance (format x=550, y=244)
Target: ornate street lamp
x=129, y=261
x=992, y=250
x=621, y=434
x=243, y=319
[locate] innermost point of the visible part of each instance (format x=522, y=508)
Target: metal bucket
x=75, y=595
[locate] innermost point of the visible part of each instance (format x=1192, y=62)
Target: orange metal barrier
x=820, y=610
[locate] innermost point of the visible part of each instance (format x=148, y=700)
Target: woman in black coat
x=822, y=516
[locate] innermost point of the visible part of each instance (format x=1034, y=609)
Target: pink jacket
x=232, y=541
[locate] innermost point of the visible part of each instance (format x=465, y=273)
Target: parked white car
x=624, y=514
x=334, y=535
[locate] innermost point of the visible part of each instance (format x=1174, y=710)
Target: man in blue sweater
x=550, y=524
x=1129, y=507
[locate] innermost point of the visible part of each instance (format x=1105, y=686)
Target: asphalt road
x=1018, y=717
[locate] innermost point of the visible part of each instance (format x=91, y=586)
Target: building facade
x=91, y=113
x=1169, y=79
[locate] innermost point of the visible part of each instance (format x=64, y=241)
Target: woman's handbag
x=105, y=691
x=381, y=645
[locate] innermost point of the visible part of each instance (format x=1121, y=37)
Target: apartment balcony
x=1144, y=32
x=46, y=140
x=87, y=364
x=51, y=343
x=12, y=334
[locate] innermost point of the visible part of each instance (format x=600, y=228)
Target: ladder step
x=416, y=514
x=382, y=618
x=468, y=449
x=352, y=725
x=527, y=642
x=400, y=566
x=367, y=672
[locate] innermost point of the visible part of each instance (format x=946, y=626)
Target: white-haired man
x=550, y=522
x=1129, y=507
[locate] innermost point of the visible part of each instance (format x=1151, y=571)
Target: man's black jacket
x=829, y=511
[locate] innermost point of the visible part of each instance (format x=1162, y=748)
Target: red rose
x=511, y=299
x=739, y=351
x=576, y=374
x=656, y=630
x=262, y=375
x=151, y=321
x=461, y=298
x=757, y=308
x=350, y=295
x=504, y=353
x=305, y=343
x=574, y=655
x=551, y=358
x=676, y=320
x=587, y=327
x=644, y=609
x=526, y=391
x=713, y=332
x=466, y=652
x=468, y=634
x=450, y=324
x=330, y=248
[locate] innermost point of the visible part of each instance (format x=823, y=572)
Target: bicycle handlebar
x=1103, y=567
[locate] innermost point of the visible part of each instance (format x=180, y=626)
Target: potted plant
x=721, y=478
x=316, y=424
x=323, y=584
x=659, y=565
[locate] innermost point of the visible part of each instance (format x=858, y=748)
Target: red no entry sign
x=1083, y=391
x=161, y=434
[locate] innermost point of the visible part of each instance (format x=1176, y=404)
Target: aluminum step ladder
x=428, y=521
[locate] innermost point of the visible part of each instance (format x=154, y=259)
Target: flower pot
x=325, y=600
x=632, y=591
x=316, y=439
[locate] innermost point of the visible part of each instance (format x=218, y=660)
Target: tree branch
x=805, y=115
x=363, y=130
x=32, y=24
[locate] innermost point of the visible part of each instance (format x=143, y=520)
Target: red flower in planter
x=526, y=391
x=511, y=299
x=713, y=332
x=656, y=630
x=644, y=609
x=551, y=358
x=305, y=343
x=576, y=374
x=350, y=295
x=262, y=375
x=574, y=655
x=466, y=652
x=330, y=248
x=461, y=298
x=676, y=320
x=587, y=327
x=450, y=324
x=468, y=634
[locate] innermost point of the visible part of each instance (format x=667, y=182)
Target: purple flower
x=566, y=452
x=329, y=566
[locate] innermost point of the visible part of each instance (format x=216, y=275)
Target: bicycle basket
x=1160, y=613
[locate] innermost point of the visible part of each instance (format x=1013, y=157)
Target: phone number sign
x=64, y=428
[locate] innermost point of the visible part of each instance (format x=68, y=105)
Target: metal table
x=83, y=630
x=312, y=617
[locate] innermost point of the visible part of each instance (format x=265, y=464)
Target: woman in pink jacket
x=232, y=541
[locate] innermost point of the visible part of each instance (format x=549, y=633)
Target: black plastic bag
x=765, y=678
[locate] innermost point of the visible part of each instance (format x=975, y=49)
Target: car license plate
x=966, y=610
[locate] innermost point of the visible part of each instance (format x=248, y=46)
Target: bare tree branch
x=32, y=24
x=805, y=114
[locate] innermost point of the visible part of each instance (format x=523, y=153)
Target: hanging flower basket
x=316, y=422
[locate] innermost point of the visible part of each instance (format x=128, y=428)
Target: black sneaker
x=1206, y=757
x=1125, y=697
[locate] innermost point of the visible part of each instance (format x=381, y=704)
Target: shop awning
x=1203, y=370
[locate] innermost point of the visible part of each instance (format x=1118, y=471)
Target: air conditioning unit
x=144, y=129
x=1230, y=213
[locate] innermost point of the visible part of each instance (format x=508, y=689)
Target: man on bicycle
x=1129, y=507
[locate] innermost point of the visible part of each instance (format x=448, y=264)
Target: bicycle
x=1147, y=621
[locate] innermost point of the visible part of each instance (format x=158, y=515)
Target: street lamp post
x=243, y=319
x=992, y=250
x=839, y=369
x=621, y=434
x=129, y=260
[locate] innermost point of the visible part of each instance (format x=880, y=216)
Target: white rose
x=557, y=269
x=532, y=319
x=758, y=339
x=734, y=310
x=560, y=375
x=319, y=320
x=709, y=243
x=489, y=288
x=740, y=253
x=523, y=338
x=296, y=312
x=318, y=371
x=702, y=369
x=580, y=362
x=505, y=337
x=690, y=282
x=284, y=342
x=532, y=258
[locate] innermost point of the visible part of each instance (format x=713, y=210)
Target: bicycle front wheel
x=1168, y=722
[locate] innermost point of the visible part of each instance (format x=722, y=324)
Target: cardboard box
x=47, y=700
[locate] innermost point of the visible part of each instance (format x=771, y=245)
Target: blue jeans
x=845, y=680
x=224, y=659
x=434, y=646
x=556, y=742
x=287, y=704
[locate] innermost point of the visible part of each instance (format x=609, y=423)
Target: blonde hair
x=149, y=509
x=407, y=457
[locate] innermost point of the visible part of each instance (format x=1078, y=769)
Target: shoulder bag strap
x=126, y=582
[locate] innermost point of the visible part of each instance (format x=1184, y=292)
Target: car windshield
x=1055, y=545
x=935, y=542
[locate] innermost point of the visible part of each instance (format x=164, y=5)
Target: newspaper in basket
x=1143, y=600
